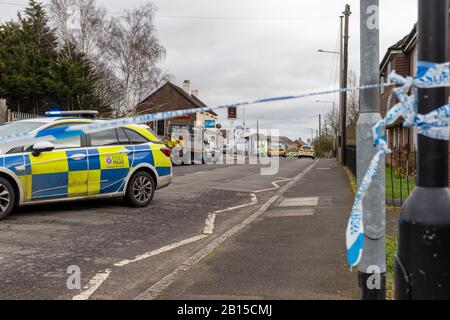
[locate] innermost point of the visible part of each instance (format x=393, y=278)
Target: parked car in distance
x=277, y=150
x=307, y=152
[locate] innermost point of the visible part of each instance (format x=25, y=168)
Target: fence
x=15, y=116
x=400, y=176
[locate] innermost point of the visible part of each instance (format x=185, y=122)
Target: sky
x=234, y=51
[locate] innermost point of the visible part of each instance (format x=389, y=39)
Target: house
x=401, y=57
x=171, y=97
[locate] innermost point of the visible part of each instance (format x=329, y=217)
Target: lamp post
x=423, y=263
x=343, y=70
x=373, y=263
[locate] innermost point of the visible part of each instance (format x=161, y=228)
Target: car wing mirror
x=40, y=147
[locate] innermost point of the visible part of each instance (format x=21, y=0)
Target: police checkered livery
x=85, y=171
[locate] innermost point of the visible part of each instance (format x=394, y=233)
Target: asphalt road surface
x=119, y=251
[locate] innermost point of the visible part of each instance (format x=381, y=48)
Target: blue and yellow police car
x=128, y=162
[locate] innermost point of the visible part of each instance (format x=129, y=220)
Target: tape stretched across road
x=434, y=125
x=76, y=130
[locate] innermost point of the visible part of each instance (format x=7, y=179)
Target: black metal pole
x=423, y=262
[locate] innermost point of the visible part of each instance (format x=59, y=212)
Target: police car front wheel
x=7, y=198
x=141, y=189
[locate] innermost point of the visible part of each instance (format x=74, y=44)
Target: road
x=121, y=251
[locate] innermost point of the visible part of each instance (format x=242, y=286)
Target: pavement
x=296, y=250
x=216, y=232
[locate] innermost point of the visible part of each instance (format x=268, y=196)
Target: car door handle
x=126, y=151
x=78, y=157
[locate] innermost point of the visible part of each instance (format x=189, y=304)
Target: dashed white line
x=209, y=225
x=93, y=285
x=161, y=250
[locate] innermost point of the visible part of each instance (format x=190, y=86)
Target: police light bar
x=82, y=114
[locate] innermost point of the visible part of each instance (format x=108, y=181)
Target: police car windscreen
x=10, y=129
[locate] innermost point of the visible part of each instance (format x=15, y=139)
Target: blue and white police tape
x=76, y=130
x=434, y=125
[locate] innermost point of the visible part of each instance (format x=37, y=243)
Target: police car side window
x=123, y=139
x=69, y=143
x=104, y=138
x=135, y=138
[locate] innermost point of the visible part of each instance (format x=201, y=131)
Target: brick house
x=170, y=97
x=401, y=57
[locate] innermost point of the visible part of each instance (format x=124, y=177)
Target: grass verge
x=391, y=252
x=352, y=180
x=397, y=187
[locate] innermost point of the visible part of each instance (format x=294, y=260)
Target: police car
x=129, y=162
x=307, y=152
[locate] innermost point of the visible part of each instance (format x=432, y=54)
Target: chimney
x=195, y=93
x=187, y=87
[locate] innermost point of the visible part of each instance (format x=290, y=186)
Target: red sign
x=232, y=113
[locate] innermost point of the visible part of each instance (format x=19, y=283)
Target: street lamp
x=328, y=51
x=343, y=68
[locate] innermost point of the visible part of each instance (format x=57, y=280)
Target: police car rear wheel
x=7, y=198
x=141, y=190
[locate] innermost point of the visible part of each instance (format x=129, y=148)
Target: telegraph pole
x=423, y=264
x=257, y=138
x=372, y=268
x=344, y=82
x=320, y=125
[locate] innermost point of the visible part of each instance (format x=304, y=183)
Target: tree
x=124, y=50
x=80, y=23
x=134, y=51
x=75, y=82
x=352, y=101
x=41, y=54
x=26, y=54
x=332, y=118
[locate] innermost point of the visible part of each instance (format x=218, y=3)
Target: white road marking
x=254, y=201
x=101, y=277
x=300, y=202
x=209, y=225
x=275, y=184
x=93, y=285
x=290, y=213
x=161, y=250
x=154, y=291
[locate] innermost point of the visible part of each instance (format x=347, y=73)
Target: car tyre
x=7, y=198
x=141, y=190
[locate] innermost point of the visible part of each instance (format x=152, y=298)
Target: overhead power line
x=217, y=18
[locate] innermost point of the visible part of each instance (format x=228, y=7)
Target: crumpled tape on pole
x=434, y=125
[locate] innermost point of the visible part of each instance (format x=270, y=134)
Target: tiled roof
x=196, y=102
